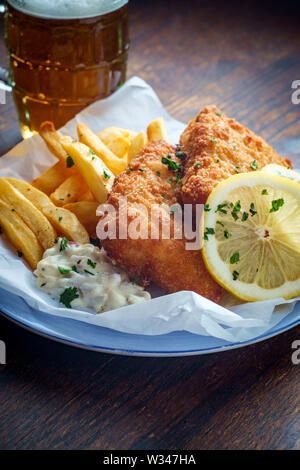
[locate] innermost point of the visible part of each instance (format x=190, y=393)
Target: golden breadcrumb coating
x=217, y=147
x=166, y=262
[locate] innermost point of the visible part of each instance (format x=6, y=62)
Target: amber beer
x=64, y=54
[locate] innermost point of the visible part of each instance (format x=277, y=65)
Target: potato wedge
x=20, y=235
x=87, y=137
x=138, y=143
x=157, y=130
x=34, y=218
x=53, y=177
x=65, y=222
x=70, y=190
x=98, y=177
x=86, y=214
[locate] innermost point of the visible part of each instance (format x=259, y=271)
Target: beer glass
x=64, y=55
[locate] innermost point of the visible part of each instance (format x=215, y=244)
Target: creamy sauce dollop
x=83, y=276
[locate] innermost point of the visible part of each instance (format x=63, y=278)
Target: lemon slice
x=252, y=236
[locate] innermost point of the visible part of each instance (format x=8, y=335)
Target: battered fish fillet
x=166, y=262
x=217, y=147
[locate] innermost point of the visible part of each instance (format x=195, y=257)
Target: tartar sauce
x=84, y=276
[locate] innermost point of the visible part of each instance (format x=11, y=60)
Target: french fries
x=20, y=235
x=98, y=177
x=70, y=190
x=52, y=177
x=137, y=144
x=64, y=221
x=86, y=214
x=38, y=223
x=87, y=137
x=117, y=140
x=53, y=140
x=157, y=130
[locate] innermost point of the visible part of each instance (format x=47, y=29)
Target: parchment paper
x=133, y=106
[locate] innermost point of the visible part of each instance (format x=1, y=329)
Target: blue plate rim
x=6, y=313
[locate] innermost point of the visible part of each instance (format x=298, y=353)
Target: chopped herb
x=245, y=216
x=68, y=195
x=218, y=114
x=208, y=231
x=264, y=192
x=92, y=151
x=162, y=195
x=197, y=165
x=171, y=164
x=74, y=268
x=207, y=208
x=178, y=179
x=288, y=168
x=60, y=219
x=93, y=158
x=253, y=165
x=252, y=209
x=235, y=275
x=63, y=270
x=226, y=234
x=79, y=261
x=180, y=154
x=106, y=175
x=68, y=295
x=61, y=199
x=95, y=242
x=213, y=139
x=91, y=263
x=235, y=258
x=63, y=244
x=220, y=208
x=217, y=161
x=142, y=169
x=69, y=161
x=20, y=254
x=236, y=209
x=171, y=180
x=158, y=173
x=220, y=223
x=129, y=168
x=276, y=204
x=237, y=169
x=56, y=240
x=234, y=147
x=89, y=272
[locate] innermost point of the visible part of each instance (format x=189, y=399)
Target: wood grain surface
x=243, y=58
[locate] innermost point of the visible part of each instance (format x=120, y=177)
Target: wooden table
x=193, y=53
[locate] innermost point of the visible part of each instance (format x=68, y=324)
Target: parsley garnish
x=106, y=175
x=218, y=114
x=252, y=209
x=207, y=208
x=92, y=151
x=220, y=223
x=129, y=168
x=162, y=195
x=89, y=272
x=226, y=234
x=158, y=173
x=60, y=219
x=235, y=258
x=237, y=169
x=236, y=209
x=276, y=204
x=245, y=216
x=213, y=139
x=171, y=164
x=69, y=161
x=63, y=244
x=235, y=275
x=56, y=240
x=171, y=180
x=68, y=295
x=253, y=165
x=63, y=270
x=220, y=208
x=208, y=231
x=234, y=147
x=264, y=192
x=142, y=169
x=197, y=165
x=74, y=268
x=180, y=154
x=91, y=263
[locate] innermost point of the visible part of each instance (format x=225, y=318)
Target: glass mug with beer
x=64, y=55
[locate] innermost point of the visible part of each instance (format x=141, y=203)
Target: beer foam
x=67, y=9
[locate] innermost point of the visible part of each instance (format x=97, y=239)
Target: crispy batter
x=217, y=147
x=163, y=261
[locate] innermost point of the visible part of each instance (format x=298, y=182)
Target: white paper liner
x=132, y=107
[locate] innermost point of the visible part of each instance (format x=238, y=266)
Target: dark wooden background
x=243, y=58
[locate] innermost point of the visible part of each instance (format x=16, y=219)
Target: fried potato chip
x=64, y=221
x=157, y=130
x=86, y=214
x=70, y=190
x=87, y=137
x=98, y=177
x=20, y=235
x=137, y=144
x=52, y=177
x=34, y=218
